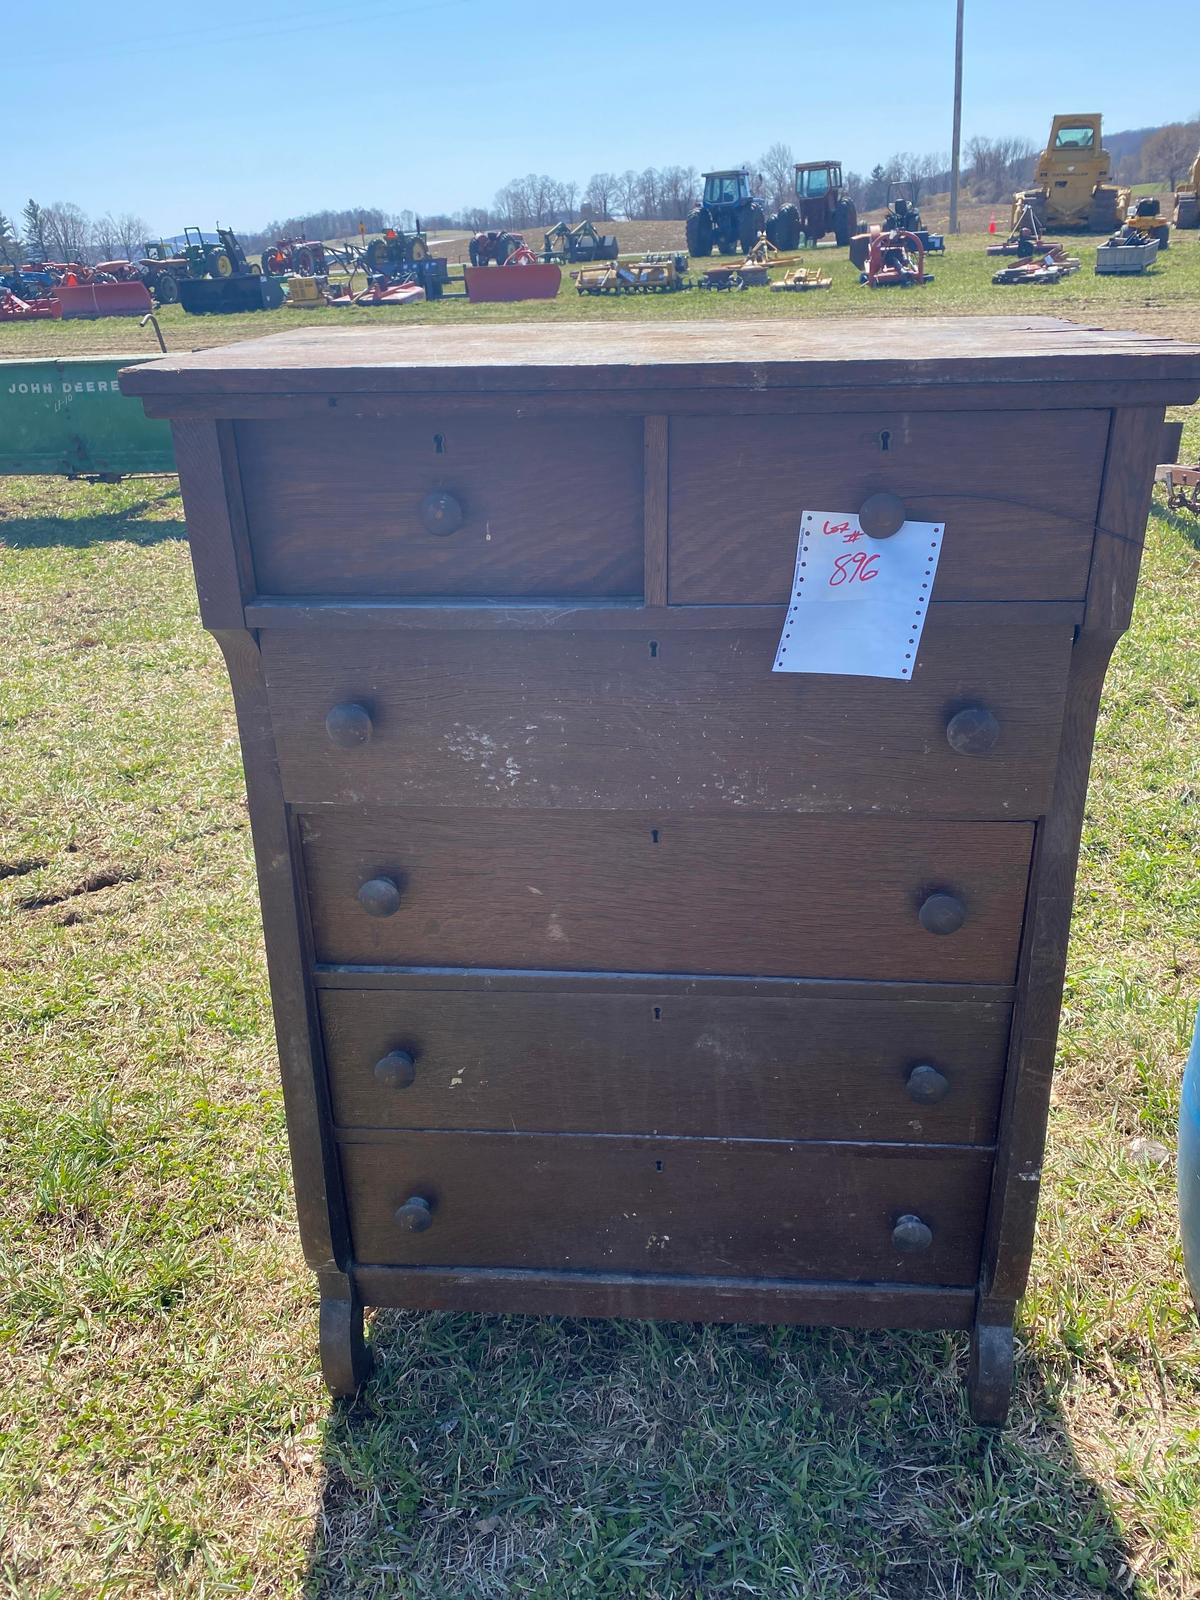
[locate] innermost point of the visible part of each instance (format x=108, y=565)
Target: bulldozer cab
x=726, y=188
x=1073, y=150
x=816, y=179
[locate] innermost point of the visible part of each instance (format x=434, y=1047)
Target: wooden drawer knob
x=881, y=515
x=942, y=913
x=911, y=1235
x=441, y=513
x=349, y=724
x=396, y=1070
x=380, y=897
x=973, y=731
x=415, y=1215
x=926, y=1085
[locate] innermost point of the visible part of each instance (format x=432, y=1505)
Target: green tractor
x=225, y=259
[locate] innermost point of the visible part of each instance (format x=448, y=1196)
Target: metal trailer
x=68, y=418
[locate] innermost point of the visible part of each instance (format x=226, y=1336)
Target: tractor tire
x=1102, y=213
x=219, y=264
x=845, y=222
x=166, y=289
x=255, y=270
x=727, y=247
x=376, y=255
x=751, y=223
x=699, y=230
x=302, y=263
x=418, y=250
x=787, y=228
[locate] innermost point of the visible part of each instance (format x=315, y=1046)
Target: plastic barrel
x=1189, y=1165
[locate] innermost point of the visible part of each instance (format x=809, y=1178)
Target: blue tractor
x=733, y=218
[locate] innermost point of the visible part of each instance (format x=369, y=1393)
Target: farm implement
x=565, y=244
x=895, y=260
x=521, y=277
x=1051, y=266
x=14, y=309
x=753, y=272
x=798, y=279
x=658, y=273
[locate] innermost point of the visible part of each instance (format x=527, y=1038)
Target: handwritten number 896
x=854, y=567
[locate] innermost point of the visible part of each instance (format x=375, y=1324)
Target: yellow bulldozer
x=1187, y=199
x=1072, y=188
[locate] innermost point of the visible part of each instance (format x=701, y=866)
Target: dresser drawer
x=340, y=506
x=1017, y=494
x=701, y=1206
x=628, y=718
x=778, y=896
x=859, y=1067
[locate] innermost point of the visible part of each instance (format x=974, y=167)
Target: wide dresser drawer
x=857, y=1213
x=825, y=897
x=1018, y=497
x=835, y=1065
x=694, y=719
x=491, y=506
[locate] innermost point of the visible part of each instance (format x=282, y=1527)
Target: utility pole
x=956, y=141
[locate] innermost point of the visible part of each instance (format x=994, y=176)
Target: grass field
x=165, y=1432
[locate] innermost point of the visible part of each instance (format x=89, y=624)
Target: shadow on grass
x=42, y=533
x=493, y=1456
x=1186, y=523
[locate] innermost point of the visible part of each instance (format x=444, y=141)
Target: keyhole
x=653, y=648
x=439, y=444
x=885, y=441
x=658, y=1166
x=653, y=835
x=658, y=1013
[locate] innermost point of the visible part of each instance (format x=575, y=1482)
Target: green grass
x=164, y=1429
x=961, y=286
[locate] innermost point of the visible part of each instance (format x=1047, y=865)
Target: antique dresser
x=613, y=974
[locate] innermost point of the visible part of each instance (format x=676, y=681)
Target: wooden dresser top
x=803, y=353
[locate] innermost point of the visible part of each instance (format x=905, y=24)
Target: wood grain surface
x=721, y=1206
x=874, y=352
x=550, y=508
x=696, y=721
x=660, y=1062
x=1017, y=498
x=812, y=896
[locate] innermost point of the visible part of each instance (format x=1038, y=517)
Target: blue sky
x=248, y=113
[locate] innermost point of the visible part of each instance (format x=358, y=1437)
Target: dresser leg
x=990, y=1373
x=345, y=1359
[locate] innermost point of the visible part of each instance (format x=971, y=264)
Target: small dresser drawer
x=855, y=1213
x=1018, y=497
x=437, y=507
x=619, y=719
x=776, y=896
x=859, y=1067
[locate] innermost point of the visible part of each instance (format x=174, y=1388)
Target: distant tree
x=599, y=194
x=10, y=239
x=68, y=231
x=36, y=230
x=1168, y=153
x=995, y=167
x=875, y=188
x=676, y=191
x=778, y=165
x=629, y=192
x=856, y=185
x=914, y=171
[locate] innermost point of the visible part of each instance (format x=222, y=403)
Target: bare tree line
x=993, y=168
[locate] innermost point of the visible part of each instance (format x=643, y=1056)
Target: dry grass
x=165, y=1432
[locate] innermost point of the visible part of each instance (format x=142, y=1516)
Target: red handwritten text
x=836, y=527
x=858, y=567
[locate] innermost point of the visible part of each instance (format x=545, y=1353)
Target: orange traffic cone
x=992, y=225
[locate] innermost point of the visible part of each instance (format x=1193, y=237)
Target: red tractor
x=823, y=204
x=303, y=256
x=494, y=247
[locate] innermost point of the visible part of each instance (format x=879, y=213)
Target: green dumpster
x=68, y=417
